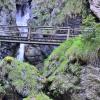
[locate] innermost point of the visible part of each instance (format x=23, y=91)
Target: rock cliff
x=52, y=13
x=95, y=7
x=7, y=17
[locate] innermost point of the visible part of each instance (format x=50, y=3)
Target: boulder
x=33, y=54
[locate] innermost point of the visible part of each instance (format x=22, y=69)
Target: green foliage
x=57, y=57
x=64, y=65
x=20, y=75
x=59, y=70
x=92, y=29
x=40, y=96
x=2, y=90
x=88, y=21
x=24, y=75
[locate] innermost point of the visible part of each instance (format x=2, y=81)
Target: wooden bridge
x=37, y=35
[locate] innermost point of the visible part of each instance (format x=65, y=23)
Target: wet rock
x=37, y=53
x=7, y=17
x=33, y=54
x=7, y=49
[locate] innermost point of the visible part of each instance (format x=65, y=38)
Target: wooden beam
x=32, y=42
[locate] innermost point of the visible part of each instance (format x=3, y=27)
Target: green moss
x=42, y=96
x=39, y=96
x=58, y=70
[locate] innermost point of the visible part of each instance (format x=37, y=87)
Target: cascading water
x=22, y=21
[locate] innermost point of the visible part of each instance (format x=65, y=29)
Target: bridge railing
x=39, y=32
x=21, y=30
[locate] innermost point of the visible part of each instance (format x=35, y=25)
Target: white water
x=22, y=21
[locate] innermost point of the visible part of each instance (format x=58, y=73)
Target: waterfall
x=21, y=20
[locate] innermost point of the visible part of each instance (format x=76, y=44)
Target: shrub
x=8, y=59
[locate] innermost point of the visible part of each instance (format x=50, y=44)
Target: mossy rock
x=68, y=59
x=22, y=76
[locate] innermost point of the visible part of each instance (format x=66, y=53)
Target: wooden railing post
x=68, y=34
x=29, y=33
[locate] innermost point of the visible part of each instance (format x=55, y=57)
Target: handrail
x=30, y=36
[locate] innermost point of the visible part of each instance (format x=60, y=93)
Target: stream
x=21, y=20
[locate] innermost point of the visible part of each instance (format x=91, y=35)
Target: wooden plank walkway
x=37, y=35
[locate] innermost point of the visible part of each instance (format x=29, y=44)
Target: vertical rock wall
x=7, y=12
x=95, y=7
x=7, y=17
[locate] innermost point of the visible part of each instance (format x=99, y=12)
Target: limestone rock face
x=95, y=7
x=7, y=12
x=51, y=13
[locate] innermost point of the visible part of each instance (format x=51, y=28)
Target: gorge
x=70, y=71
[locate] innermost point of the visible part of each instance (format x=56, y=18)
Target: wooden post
x=68, y=34
x=29, y=33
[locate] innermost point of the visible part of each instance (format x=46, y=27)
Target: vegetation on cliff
x=54, y=12
x=20, y=78
x=17, y=75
